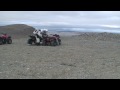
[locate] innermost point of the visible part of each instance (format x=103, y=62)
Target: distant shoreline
x=74, y=30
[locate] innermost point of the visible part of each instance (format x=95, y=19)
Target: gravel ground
x=76, y=58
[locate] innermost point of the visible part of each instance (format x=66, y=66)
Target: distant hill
x=17, y=30
x=100, y=36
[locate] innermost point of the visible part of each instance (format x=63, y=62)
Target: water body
x=74, y=29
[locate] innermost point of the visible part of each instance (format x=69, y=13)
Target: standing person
x=44, y=32
x=44, y=36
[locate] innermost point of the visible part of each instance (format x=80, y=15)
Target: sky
x=68, y=18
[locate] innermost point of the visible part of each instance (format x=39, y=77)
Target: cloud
x=111, y=26
x=61, y=17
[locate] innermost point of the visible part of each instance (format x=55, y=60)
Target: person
x=44, y=33
x=38, y=35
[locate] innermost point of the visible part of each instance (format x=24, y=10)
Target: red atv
x=58, y=38
x=53, y=40
x=5, y=39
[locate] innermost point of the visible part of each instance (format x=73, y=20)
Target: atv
x=5, y=39
x=58, y=37
x=52, y=40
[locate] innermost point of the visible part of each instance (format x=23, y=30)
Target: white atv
x=37, y=37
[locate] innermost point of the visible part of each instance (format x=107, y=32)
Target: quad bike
x=42, y=38
x=53, y=40
x=58, y=37
x=5, y=39
x=45, y=41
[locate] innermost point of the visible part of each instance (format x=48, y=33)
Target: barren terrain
x=84, y=56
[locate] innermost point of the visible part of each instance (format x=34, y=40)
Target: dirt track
x=76, y=58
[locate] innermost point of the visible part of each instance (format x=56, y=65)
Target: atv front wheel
x=53, y=43
x=9, y=41
x=29, y=41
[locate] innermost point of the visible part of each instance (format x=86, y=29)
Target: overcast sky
x=104, y=18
